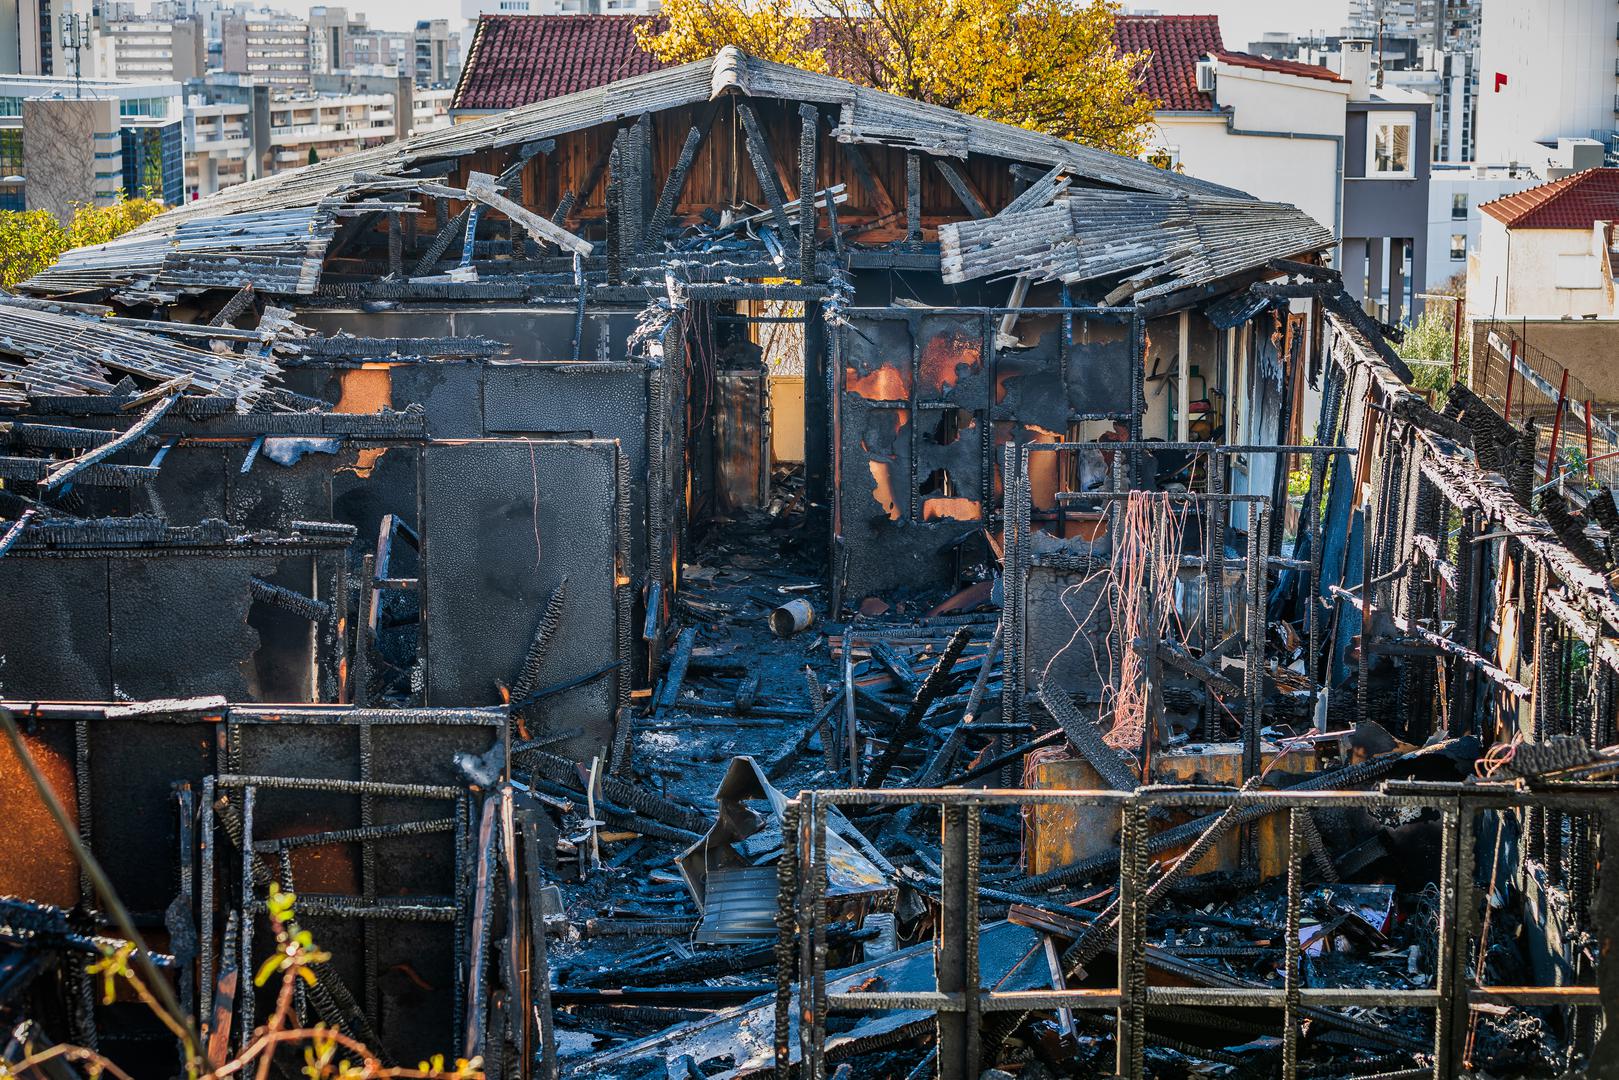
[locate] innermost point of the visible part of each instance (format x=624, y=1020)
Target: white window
x=1458, y=246
x=1391, y=144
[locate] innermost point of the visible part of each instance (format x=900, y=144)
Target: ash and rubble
x=412, y=532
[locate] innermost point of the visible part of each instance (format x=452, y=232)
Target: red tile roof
x=520, y=59
x=1574, y=202
x=1285, y=67
x=1178, y=42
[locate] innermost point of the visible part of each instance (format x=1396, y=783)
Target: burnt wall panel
x=506, y=521
x=599, y=401
x=54, y=633
x=180, y=626
x=134, y=816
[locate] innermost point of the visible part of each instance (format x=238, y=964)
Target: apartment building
x=434, y=53
x=174, y=49
x=65, y=142
x=238, y=130
x=272, y=47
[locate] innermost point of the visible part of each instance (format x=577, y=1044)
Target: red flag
x=1500, y=81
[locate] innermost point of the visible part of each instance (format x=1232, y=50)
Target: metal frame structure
x=960, y=1003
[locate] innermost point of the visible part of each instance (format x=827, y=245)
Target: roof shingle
x=1178, y=43
x=1574, y=202
x=517, y=60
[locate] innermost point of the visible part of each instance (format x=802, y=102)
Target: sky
x=1242, y=21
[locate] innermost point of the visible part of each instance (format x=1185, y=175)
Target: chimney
x=404, y=105
x=1355, y=64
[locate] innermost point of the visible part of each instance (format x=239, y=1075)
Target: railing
x=960, y=1003
x=1522, y=382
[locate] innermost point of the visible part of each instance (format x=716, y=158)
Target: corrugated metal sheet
x=1161, y=243
x=62, y=354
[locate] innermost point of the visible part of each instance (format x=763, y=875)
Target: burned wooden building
x=481, y=536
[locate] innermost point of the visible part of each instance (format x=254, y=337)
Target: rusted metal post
x=786, y=936
x=955, y=950
x=1557, y=428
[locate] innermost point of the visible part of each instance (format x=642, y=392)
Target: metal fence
x=961, y=1005
x=1526, y=384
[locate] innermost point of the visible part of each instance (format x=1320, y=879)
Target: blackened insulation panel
x=54, y=631
x=598, y=401
x=180, y=626
x=505, y=522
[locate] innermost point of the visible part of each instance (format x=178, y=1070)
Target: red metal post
x=1557, y=428
x=1590, y=466
x=1512, y=370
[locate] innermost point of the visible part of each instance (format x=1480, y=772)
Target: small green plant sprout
x=295, y=953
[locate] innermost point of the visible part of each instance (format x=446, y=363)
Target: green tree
x=32, y=240
x=1047, y=65
x=1430, y=342
x=314, y=158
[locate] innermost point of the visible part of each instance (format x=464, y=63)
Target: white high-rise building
x=1547, y=72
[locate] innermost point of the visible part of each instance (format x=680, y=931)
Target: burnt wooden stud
x=809, y=129
x=963, y=189
x=913, y=198
x=765, y=169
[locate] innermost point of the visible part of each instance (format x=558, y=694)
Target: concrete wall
x=1280, y=140
x=1558, y=59
x=72, y=153
x=1520, y=273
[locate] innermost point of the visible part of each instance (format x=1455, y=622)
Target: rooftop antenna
x=1379, y=83
x=75, y=38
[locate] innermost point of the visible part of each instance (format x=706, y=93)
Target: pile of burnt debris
x=733, y=573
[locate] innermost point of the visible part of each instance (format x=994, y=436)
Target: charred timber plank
x=764, y=168
x=1087, y=739
x=67, y=470
x=674, y=185
x=1174, y=656
x=958, y=184
x=237, y=304
x=482, y=187
x=678, y=662
x=809, y=133
x=931, y=687
x=913, y=197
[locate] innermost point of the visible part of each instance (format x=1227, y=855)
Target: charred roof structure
x=732, y=573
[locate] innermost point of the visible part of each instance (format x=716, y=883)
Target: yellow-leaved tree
x=31, y=240
x=1048, y=65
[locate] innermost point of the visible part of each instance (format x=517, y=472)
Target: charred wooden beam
x=962, y=187
x=913, y=198
x=674, y=185
x=446, y=235
x=238, y=303
x=909, y=724
x=764, y=168
x=809, y=131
